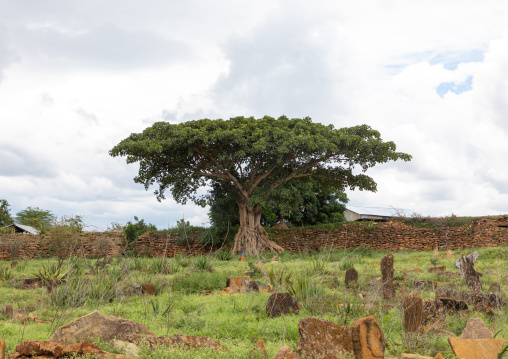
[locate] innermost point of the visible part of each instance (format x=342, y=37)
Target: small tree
x=252, y=158
x=132, y=230
x=35, y=217
x=5, y=216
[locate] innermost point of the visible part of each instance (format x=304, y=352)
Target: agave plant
x=51, y=271
x=5, y=272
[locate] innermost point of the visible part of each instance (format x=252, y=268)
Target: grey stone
x=476, y=329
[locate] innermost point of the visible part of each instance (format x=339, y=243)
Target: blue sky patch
x=445, y=87
x=451, y=60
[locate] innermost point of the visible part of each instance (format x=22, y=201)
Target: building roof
x=24, y=228
x=381, y=211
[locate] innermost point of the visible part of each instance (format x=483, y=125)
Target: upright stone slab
x=319, y=338
x=387, y=276
x=476, y=329
x=351, y=276
x=472, y=276
x=368, y=339
x=412, y=305
x=281, y=303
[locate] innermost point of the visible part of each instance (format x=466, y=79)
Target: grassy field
x=188, y=297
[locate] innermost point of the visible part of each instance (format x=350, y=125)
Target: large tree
x=252, y=159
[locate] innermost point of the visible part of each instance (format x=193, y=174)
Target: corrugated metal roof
x=381, y=211
x=25, y=228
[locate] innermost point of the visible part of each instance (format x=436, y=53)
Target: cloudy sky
x=76, y=77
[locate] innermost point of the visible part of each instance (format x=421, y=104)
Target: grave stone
x=318, y=338
x=281, y=303
x=8, y=310
x=387, y=276
x=412, y=305
x=368, y=339
x=351, y=276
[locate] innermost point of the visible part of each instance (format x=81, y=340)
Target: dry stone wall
x=395, y=236
x=28, y=246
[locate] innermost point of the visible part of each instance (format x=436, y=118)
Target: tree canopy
x=35, y=217
x=5, y=215
x=253, y=159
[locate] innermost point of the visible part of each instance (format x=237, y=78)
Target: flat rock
x=476, y=329
x=318, y=338
x=368, y=339
x=436, y=269
x=413, y=356
x=48, y=349
x=98, y=325
x=476, y=348
x=179, y=341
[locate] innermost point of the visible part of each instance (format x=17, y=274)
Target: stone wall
x=28, y=246
x=170, y=245
x=396, y=236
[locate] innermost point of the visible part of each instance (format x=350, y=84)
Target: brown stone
x=387, y=276
x=476, y=348
x=412, y=305
x=436, y=269
x=449, y=253
x=351, y=276
x=148, y=289
x=439, y=356
x=319, y=338
x=368, y=339
x=2, y=349
x=31, y=348
x=98, y=325
x=284, y=352
x=281, y=303
x=243, y=259
x=476, y=329
x=8, y=310
x=436, y=251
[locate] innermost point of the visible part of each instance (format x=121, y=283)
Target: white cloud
x=78, y=77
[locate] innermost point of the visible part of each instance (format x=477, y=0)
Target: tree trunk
x=251, y=237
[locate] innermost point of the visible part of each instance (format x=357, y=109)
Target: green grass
x=184, y=305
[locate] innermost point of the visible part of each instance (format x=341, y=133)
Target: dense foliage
x=5, y=216
x=301, y=205
x=132, y=230
x=40, y=219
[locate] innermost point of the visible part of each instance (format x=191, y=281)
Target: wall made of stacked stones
x=170, y=245
x=395, y=236
x=27, y=246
